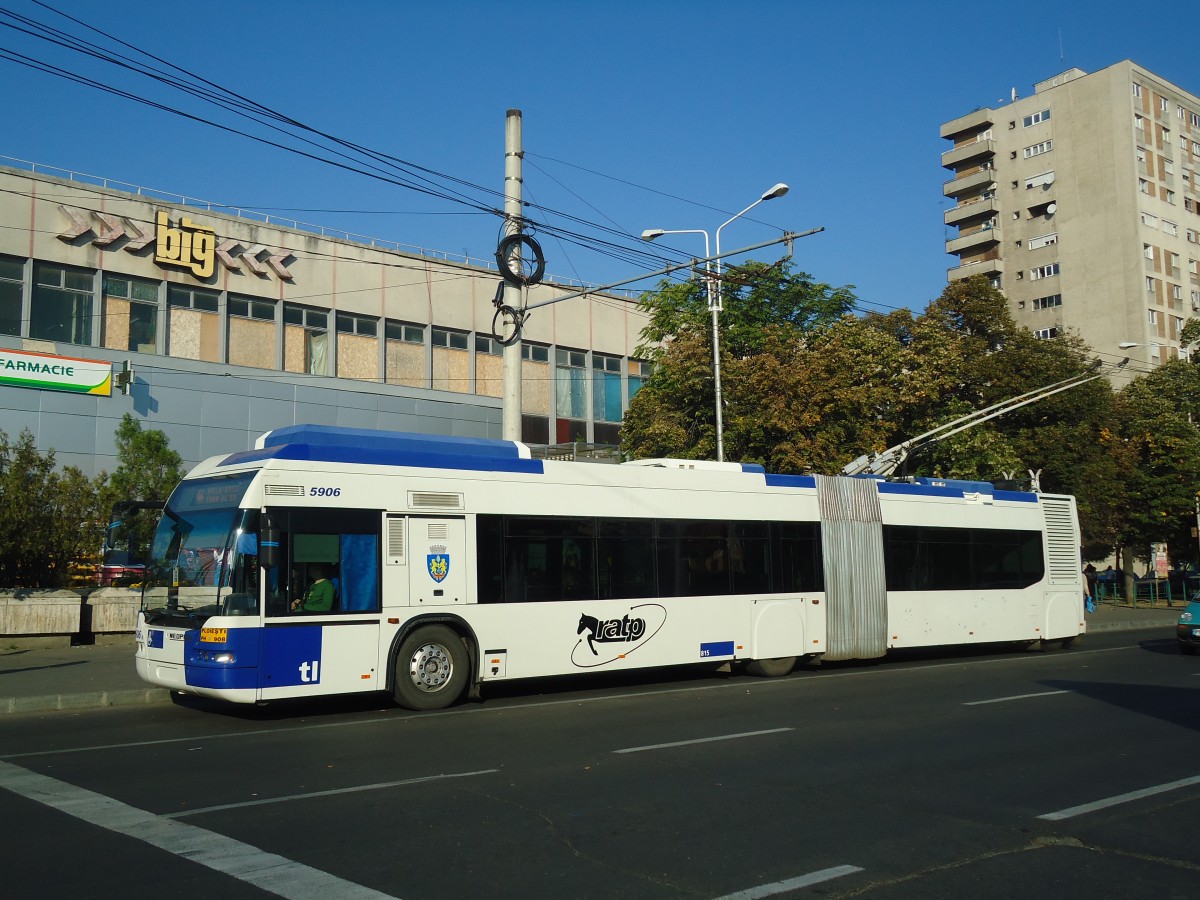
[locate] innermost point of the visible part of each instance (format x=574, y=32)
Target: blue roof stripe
x=386, y=456
x=792, y=481
x=332, y=436
x=1016, y=496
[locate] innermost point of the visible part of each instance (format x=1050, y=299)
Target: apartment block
x=1080, y=202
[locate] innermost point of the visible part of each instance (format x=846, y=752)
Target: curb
x=87, y=700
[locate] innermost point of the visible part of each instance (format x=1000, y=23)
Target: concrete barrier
x=45, y=615
x=112, y=611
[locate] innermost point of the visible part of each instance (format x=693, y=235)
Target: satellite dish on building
x=1049, y=179
x=1050, y=210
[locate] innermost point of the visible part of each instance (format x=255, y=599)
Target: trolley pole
x=513, y=295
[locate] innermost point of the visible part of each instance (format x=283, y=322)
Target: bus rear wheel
x=776, y=667
x=431, y=669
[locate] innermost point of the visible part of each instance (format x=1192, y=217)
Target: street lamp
x=714, y=296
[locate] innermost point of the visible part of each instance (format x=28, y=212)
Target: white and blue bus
x=453, y=562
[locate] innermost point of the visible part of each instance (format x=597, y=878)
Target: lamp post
x=714, y=296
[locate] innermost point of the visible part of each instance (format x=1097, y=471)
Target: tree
x=147, y=467
x=49, y=519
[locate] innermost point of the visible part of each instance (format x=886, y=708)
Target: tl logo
x=439, y=566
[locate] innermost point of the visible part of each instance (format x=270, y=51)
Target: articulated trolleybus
x=331, y=560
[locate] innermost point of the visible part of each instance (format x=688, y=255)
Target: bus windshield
x=204, y=558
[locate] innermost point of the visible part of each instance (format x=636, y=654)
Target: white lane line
x=1016, y=697
x=707, y=740
x=329, y=793
x=1120, y=798
x=792, y=884
x=268, y=871
x=814, y=678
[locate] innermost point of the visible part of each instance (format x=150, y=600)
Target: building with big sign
x=215, y=325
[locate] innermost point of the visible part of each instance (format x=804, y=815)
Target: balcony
x=965, y=184
x=972, y=121
x=979, y=207
x=979, y=237
x=956, y=155
x=982, y=267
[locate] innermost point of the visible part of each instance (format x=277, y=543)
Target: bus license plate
x=214, y=635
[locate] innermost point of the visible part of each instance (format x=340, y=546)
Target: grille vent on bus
x=395, y=540
x=438, y=531
x=1062, y=543
x=434, y=500
x=284, y=490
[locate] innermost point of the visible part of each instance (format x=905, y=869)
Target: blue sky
x=636, y=114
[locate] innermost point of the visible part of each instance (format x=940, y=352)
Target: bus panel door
x=437, y=562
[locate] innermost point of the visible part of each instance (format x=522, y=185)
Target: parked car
x=1188, y=629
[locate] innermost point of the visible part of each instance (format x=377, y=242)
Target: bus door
x=321, y=634
x=437, y=570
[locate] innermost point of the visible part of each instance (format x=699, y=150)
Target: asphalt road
x=1062, y=774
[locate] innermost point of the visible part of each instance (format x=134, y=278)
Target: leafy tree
x=754, y=295
x=49, y=516
x=147, y=467
x=1160, y=428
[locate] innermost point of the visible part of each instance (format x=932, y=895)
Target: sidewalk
x=93, y=677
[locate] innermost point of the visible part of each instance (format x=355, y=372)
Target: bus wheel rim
x=430, y=667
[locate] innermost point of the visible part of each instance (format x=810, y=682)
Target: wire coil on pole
x=524, y=274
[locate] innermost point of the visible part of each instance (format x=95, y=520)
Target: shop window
x=62, y=304
x=12, y=285
x=305, y=339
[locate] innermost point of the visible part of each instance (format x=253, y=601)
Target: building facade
x=233, y=324
x=1080, y=202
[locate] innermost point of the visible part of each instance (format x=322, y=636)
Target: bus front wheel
x=431, y=669
x=776, y=667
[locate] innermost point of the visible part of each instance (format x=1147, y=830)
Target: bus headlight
x=223, y=658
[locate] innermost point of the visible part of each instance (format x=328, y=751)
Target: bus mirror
x=268, y=545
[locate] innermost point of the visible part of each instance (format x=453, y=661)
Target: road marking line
x=741, y=685
x=1121, y=798
x=723, y=737
x=1016, y=697
x=268, y=871
x=792, y=884
x=329, y=793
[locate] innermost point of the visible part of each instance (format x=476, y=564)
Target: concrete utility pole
x=513, y=295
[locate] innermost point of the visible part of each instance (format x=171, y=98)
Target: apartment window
x=249, y=308
x=1149, y=285
x=488, y=346
x=1192, y=266
x=570, y=394
x=1143, y=186
x=62, y=304
x=1147, y=251
x=1046, y=334
x=1162, y=104
x=1170, y=227
x=606, y=388
x=1047, y=302
x=12, y=285
x=404, y=354
x=1039, y=180
x=349, y=323
x=1039, y=149
x=1036, y=117
x=1192, y=236
x=1196, y=300
x=1141, y=155
x=1138, y=122
x=1177, y=292
x=130, y=314
x=455, y=340
x=1195, y=120
x=403, y=332
x=1043, y=241
x=1039, y=272
x=1179, y=111
x=1152, y=318
x=1150, y=220
x=535, y=353
x=1195, y=148
x=251, y=332
x=1176, y=327
x=1169, y=196
x=305, y=339
x=1168, y=167
x=1137, y=89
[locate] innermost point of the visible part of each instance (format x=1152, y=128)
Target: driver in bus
x=319, y=596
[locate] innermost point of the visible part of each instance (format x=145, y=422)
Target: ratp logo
x=439, y=566
x=603, y=641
